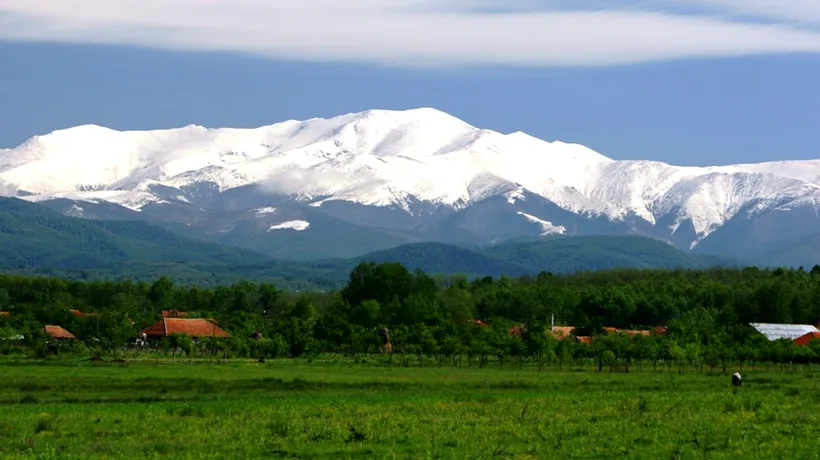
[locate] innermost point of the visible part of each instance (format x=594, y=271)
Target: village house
x=58, y=333
x=195, y=327
x=562, y=332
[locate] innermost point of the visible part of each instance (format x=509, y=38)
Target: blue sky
x=693, y=83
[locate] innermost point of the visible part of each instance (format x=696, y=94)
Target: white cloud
x=799, y=11
x=428, y=32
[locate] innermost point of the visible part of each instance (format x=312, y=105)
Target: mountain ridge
x=409, y=176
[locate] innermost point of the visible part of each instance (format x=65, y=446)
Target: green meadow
x=336, y=409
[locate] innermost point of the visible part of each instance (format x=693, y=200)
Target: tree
x=162, y=291
x=177, y=341
x=304, y=308
x=366, y=314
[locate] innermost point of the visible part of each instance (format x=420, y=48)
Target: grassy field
x=292, y=409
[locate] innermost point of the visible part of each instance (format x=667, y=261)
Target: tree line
x=430, y=319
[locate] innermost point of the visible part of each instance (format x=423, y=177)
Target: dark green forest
x=35, y=240
x=706, y=313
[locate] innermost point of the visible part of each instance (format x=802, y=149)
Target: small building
x=633, y=333
x=479, y=323
x=194, y=327
x=804, y=339
x=562, y=332
x=783, y=331
x=57, y=332
x=584, y=339
x=5, y=314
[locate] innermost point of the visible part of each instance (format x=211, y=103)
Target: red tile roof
x=562, y=332
x=196, y=327
x=634, y=333
x=610, y=329
x=584, y=339
x=806, y=338
x=517, y=330
x=5, y=313
x=479, y=323
x=58, y=333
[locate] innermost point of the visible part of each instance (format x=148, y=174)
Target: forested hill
x=588, y=253
x=555, y=255
x=34, y=237
x=447, y=259
x=37, y=240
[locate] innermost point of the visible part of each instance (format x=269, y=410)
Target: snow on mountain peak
x=298, y=225
x=388, y=157
x=547, y=228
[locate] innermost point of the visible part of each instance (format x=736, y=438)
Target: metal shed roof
x=783, y=331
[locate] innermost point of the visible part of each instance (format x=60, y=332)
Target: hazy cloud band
x=426, y=32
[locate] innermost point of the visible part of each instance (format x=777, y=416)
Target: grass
x=290, y=409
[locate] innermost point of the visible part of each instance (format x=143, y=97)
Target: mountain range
x=363, y=182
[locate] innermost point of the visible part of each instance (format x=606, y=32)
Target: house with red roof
x=194, y=327
x=632, y=333
x=57, y=332
x=562, y=332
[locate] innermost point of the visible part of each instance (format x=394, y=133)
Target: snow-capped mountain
x=405, y=175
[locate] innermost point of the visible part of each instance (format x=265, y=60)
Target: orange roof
x=517, y=330
x=584, y=339
x=806, y=338
x=76, y=312
x=660, y=330
x=174, y=313
x=196, y=327
x=634, y=333
x=58, y=333
x=610, y=329
x=5, y=313
x=562, y=332
x=480, y=323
